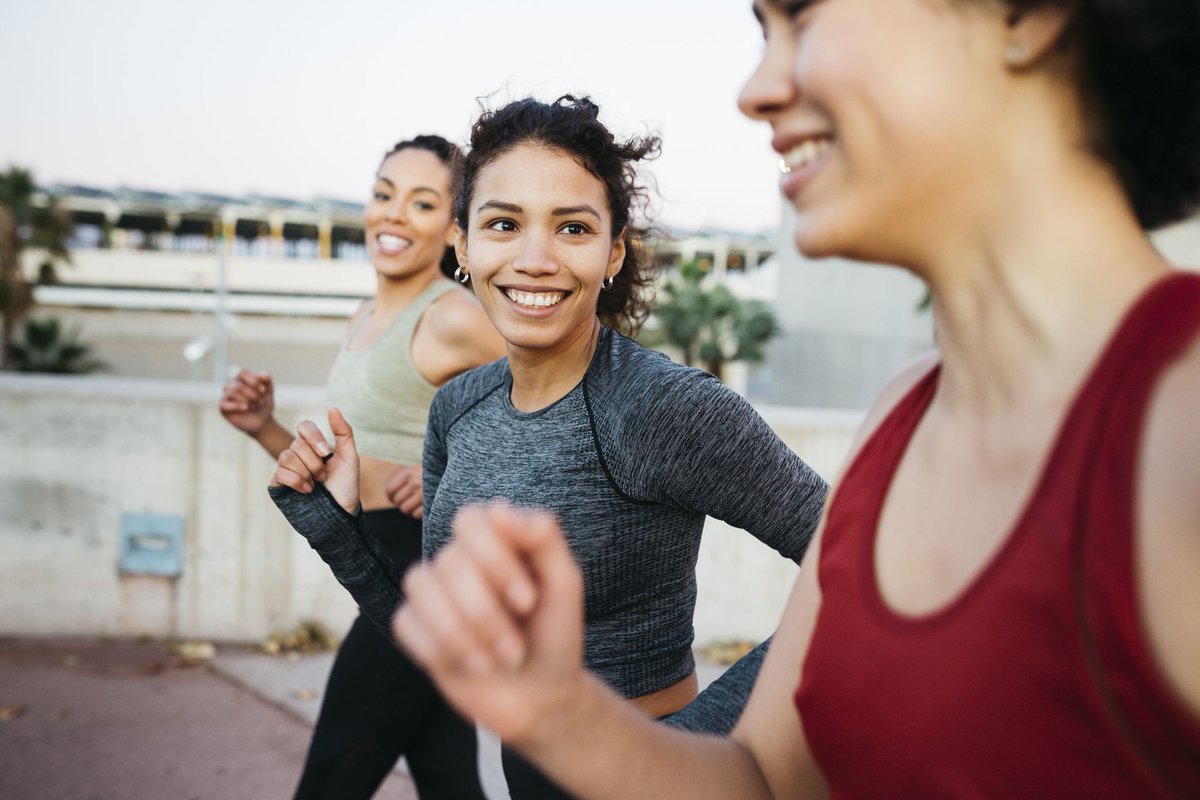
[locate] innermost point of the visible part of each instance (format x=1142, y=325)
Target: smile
x=534, y=299
x=392, y=244
x=804, y=154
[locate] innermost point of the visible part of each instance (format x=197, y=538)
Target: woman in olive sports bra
x=418, y=331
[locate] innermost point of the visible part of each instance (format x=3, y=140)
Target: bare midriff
x=373, y=477
x=669, y=700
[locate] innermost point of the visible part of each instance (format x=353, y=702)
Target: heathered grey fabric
x=631, y=461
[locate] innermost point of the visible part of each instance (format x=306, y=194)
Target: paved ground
x=117, y=720
x=87, y=720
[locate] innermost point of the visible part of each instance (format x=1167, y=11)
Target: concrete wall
x=79, y=453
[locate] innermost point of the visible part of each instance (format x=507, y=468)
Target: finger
x=445, y=641
x=482, y=610
x=398, y=481
x=410, y=505
x=407, y=498
x=475, y=527
x=308, y=432
x=343, y=434
x=238, y=397
x=302, y=456
x=293, y=480
x=537, y=538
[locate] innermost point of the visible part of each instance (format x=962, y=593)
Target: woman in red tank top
x=1004, y=598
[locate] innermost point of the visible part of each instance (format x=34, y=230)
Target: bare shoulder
x=893, y=391
x=456, y=319
x=1168, y=525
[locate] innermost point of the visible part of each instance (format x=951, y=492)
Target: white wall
x=80, y=452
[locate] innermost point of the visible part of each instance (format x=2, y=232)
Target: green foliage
x=45, y=346
x=26, y=220
x=709, y=325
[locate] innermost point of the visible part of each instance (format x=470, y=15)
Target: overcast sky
x=300, y=99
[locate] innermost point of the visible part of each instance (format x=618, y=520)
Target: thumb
x=343, y=434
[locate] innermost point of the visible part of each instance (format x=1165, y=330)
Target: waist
x=669, y=700
x=374, y=474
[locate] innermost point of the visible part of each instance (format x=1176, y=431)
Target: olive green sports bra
x=379, y=390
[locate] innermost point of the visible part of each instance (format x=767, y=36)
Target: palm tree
x=46, y=346
x=25, y=222
x=709, y=325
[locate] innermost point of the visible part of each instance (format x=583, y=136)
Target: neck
x=1022, y=312
x=392, y=295
x=544, y=375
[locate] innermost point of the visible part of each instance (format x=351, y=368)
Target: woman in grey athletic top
x=629, y=450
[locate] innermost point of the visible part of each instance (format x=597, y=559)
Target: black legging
x=378, y=706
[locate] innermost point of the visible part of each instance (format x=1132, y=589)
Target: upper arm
x=770, y=729
x=703, y=447
x=462, y=336
x=1167, y=527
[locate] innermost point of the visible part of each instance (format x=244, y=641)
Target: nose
x=772, y=85
x=537, y=254
x=395, y=210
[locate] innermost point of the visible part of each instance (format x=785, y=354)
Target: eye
x=574, y=229
x=424, y=205
x=794, y=8
x=381, y=197
x=502, y=225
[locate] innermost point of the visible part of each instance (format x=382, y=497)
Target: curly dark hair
x=571, y=124
x=1141, y=71
x=447, y=153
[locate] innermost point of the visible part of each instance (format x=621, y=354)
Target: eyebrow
x=388, y=181
x=562, y=211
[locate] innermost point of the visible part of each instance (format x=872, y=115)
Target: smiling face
x=408, y=220
x=538, y=245
x=883, y=116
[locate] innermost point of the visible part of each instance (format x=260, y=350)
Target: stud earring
x=1016, y=54
x=462, y=276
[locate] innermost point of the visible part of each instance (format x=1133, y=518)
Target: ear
x=616, y=256
x=459, y=241
x=452, y=235
x=1033, y=33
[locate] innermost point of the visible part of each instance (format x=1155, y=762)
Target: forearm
x=356, y=560
x=602, y=747
x=273, y=437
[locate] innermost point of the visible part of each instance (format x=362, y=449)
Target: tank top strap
x=1153, y=723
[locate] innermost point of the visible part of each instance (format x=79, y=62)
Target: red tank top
x=1037, y=680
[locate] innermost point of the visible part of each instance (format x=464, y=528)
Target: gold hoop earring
x=462, y=276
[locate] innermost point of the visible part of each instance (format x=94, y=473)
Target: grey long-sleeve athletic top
x=631, y=460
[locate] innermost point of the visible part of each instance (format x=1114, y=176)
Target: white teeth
x=389, y=242
x=534, y=299
x=804, y=154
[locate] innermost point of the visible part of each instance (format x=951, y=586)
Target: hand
x=310, y=460
x=404, y=490
x=248, y=401
x=496, y=619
